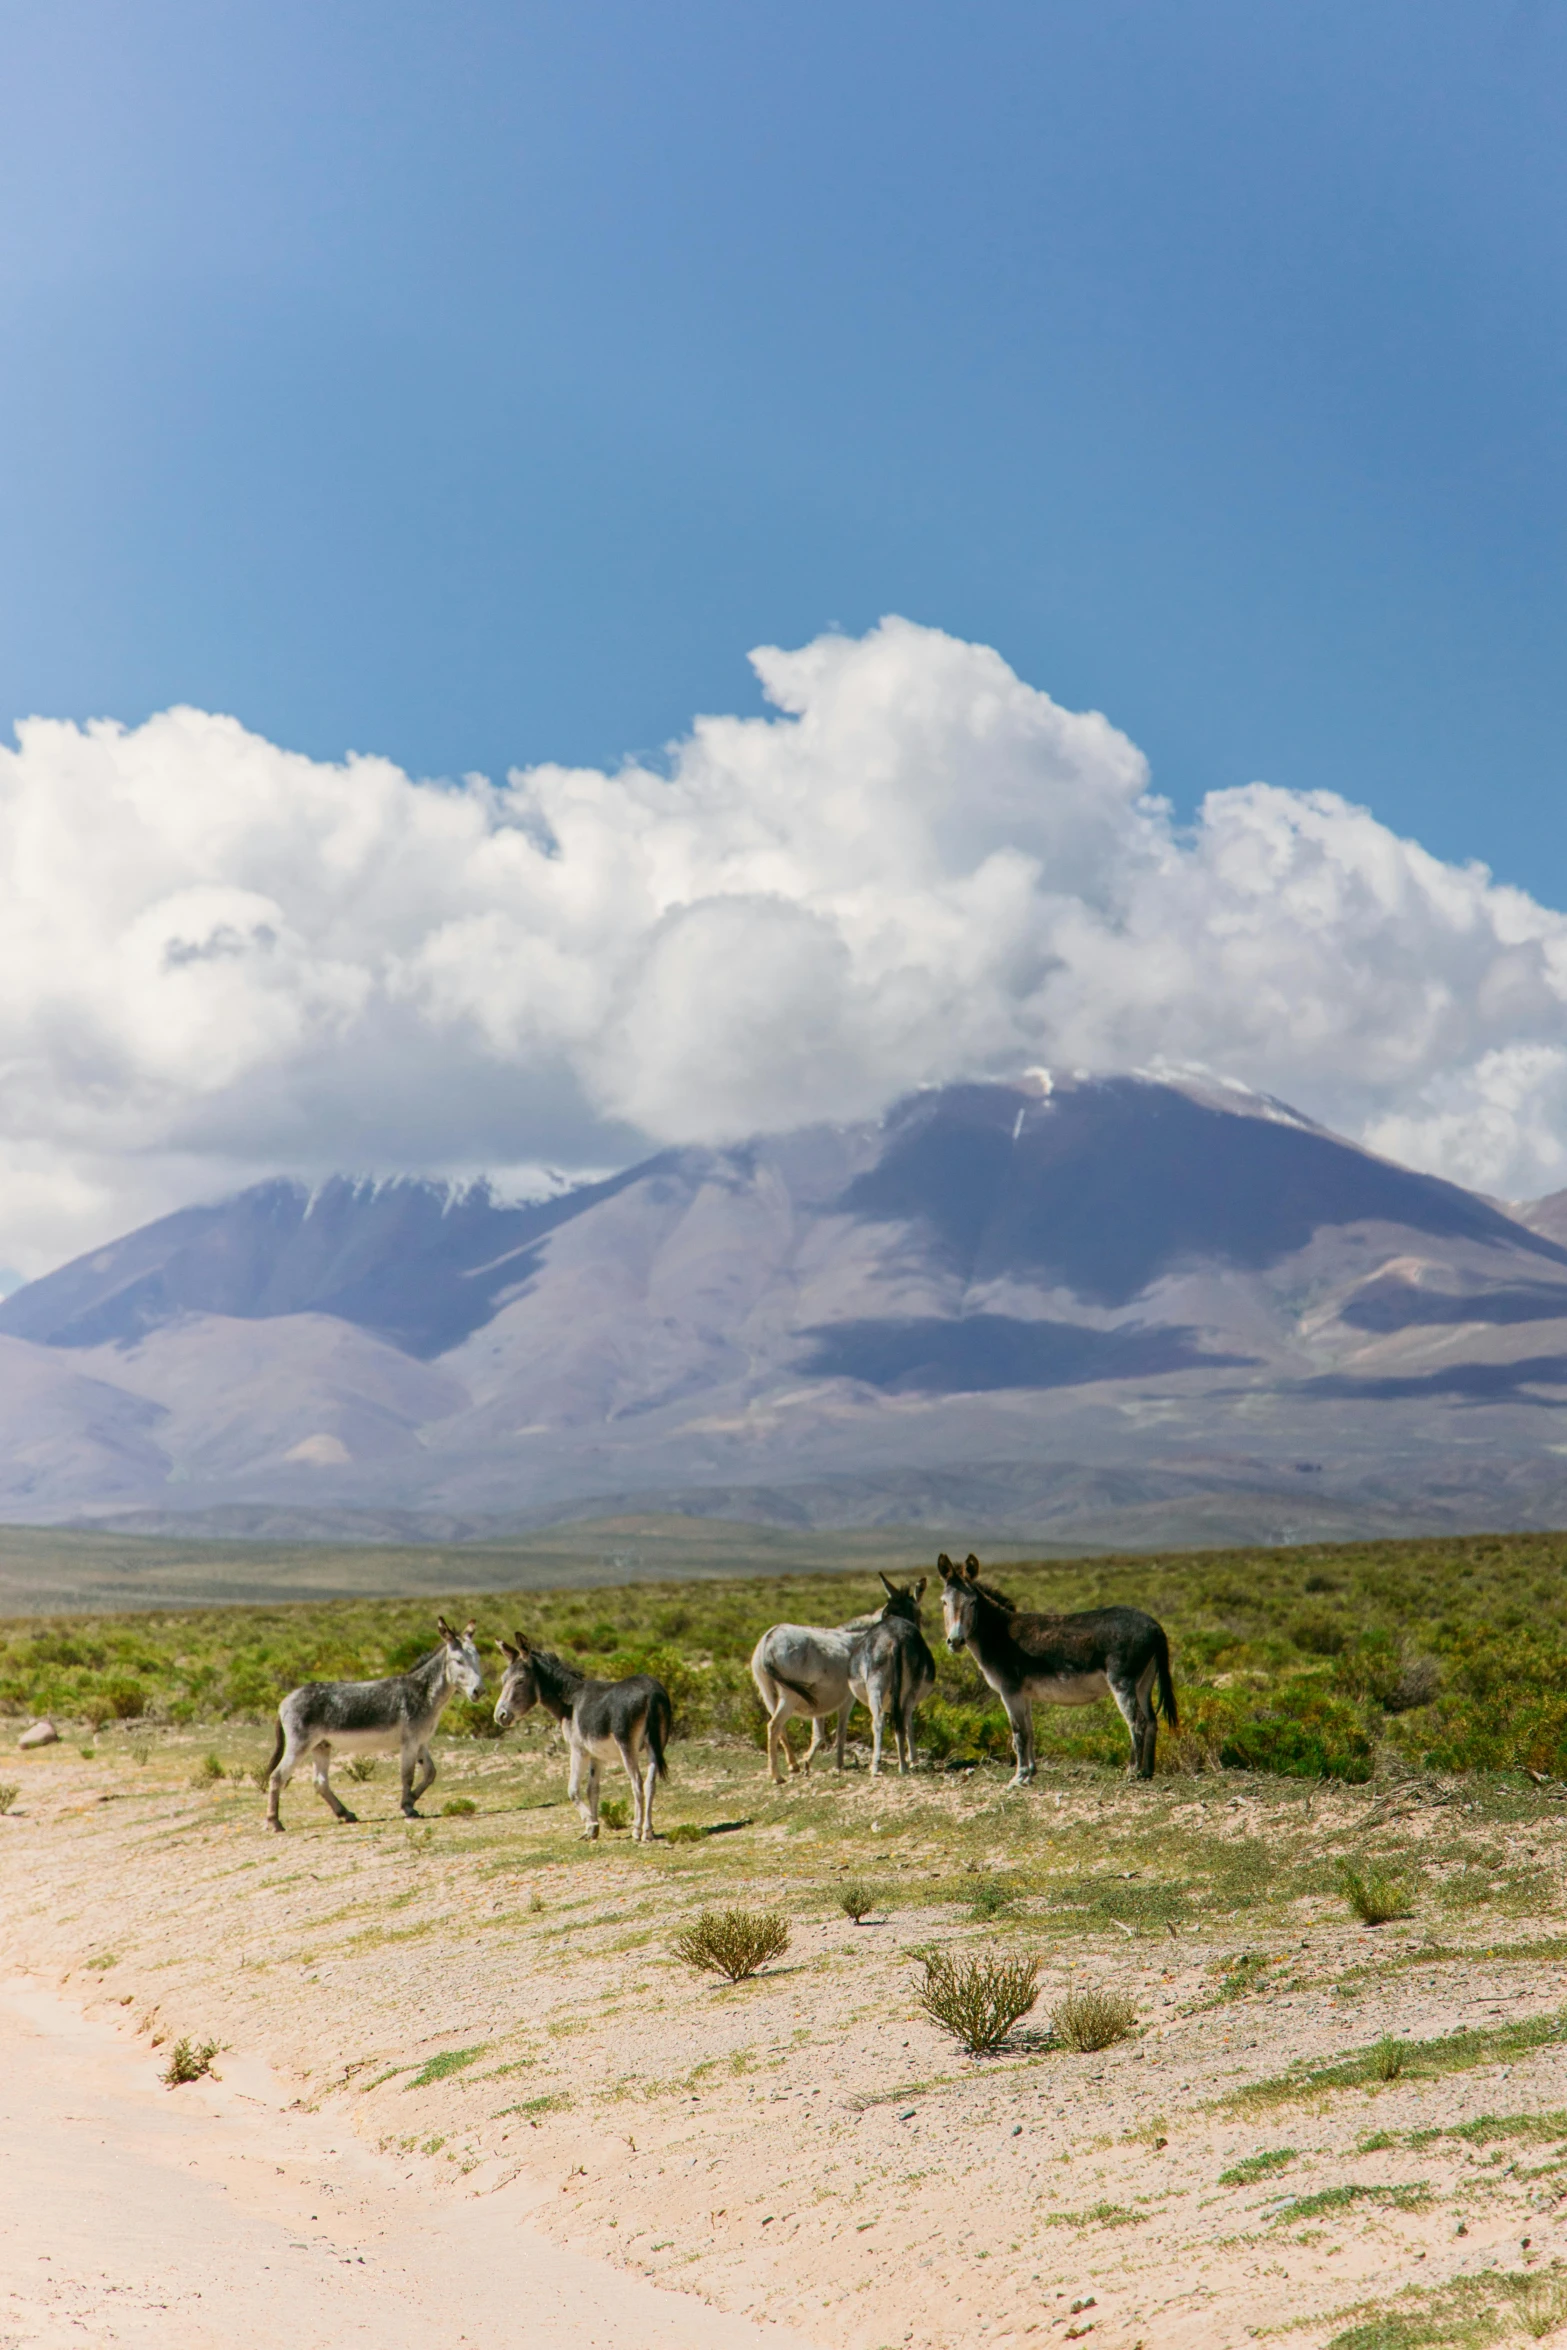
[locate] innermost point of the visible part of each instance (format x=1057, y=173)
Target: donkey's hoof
x=274, y=1827
x=351, y=1817
x=409, y=1813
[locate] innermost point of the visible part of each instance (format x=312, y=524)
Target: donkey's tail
x=277, y=1751
x=1161, y=1655
x=660, y=1725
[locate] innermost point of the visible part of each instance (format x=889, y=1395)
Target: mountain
x=1088, y=1309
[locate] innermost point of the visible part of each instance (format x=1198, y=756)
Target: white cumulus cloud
x=218, y=957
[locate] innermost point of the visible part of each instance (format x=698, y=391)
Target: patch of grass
x=685, y=1832
x=1410, y=2198
x=991, y=1899
x=1420, y=2060
x=102, y=1964
x=8, y=1795
x=440, y=2068
x=1375, y=1896
x=188, y=2060
x=361, y=1768
x=978, y=2000
x=615, y=1811
x=1090, y=2020
x=1237, y=1976
x=458, y=1807
x=733, y=1943
x=208, y=1771
x=1097, y=2215
x=856, y=1901
x=1253, y=2167
x=1467, y=2313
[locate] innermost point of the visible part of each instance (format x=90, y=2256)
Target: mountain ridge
x=1090, y=1279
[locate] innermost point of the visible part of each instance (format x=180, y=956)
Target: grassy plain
x=1323, y=1662
x=1318, y=2130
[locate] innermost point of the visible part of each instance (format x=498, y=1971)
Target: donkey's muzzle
x=503, y=1717
x=956, y=1642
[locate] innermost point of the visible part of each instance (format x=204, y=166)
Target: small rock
x=41, y=1733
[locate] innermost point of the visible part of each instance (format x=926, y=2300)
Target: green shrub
x=188, y=2060
x=854, y=1899
x=360, y=1768
x=1247, y=2172
x=1302, y=1732
x=978, y=2000
x=1090, y=2020
x=732, y=1942
x=615, y=1811
x=1373, y=1894
x=458, y=1807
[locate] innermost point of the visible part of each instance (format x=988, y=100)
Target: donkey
x=804, y=1669
x=891, y=1671
x=601, y=1719
x=397, y=1715
x=1059, y=1660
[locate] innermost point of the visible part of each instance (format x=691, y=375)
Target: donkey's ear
x=444, y=1628
x=919, y=1588
x=507, y=1649
x=945, y=1568
x=889, y=1586
x=470, y=1627
x=971, y=1568
x=523, y=1648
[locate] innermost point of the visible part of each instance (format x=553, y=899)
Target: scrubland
x=1316, y=2129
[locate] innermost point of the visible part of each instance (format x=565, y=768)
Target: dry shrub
x=188, y=2060
x=1373, y=1894
x=360, y=1768
x=856, y=1901
x=732, y=1942
x=1542, y=2306
x=8, y=1795
x=1090, y=2020
x=978, y=2000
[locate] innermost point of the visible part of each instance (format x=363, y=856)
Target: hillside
x=1117, y=1311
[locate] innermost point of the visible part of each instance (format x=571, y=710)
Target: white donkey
x=811, y=1671
x=394, y=1716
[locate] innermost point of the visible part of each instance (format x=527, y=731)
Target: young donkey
x=816, y=1670
x=1060, y=1660
x=601, y=1719
x=397, y=1715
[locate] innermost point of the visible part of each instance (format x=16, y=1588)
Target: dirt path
x=222, y=2216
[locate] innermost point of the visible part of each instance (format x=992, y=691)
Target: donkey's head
x=960, y=1597
x=903, y=1599
x=462, y=1658
x=520, y=1688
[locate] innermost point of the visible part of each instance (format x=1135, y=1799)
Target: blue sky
x=477, y=384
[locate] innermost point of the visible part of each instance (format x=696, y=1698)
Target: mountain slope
x=1075, y=1298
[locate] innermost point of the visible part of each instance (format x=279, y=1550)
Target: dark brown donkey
x=1059, y=1660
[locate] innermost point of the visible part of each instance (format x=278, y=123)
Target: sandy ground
x=465, y=2083
x=227, y=2217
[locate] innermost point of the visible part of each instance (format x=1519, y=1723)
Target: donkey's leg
x=1148, y=1722
x=282, y=1772
x=1133, y=1709
x=649, y=1782
x=427, y=1773
x=876, y=1707
x=415, y=1760
x=626, y=1749
x=778, y=1743
x=321, y=1757
x=1020, y=1713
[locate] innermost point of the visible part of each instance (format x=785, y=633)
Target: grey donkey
x=812, y=1671
x=603, y=1720
x=892, y=1672
x=394, y=1716
x=1060, y=1660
